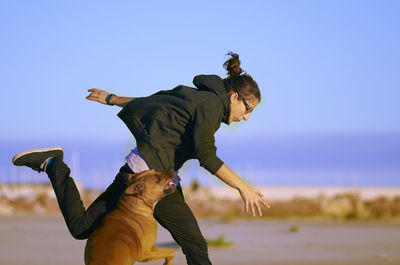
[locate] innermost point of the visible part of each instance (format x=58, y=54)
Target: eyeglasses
x=248, y=108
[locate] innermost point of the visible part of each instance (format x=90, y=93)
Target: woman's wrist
x=242, y=186
x=109, y=99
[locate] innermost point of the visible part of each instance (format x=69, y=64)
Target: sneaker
x=37, y=158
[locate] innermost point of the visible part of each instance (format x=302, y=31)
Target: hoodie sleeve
x=205, y=124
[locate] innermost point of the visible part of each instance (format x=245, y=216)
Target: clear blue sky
x=322, y=66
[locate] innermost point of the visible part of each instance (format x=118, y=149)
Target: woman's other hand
x=252, y=199
x=98, y=95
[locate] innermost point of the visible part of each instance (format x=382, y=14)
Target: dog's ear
x=127, y=178
x=131, y=178
x=136, y=188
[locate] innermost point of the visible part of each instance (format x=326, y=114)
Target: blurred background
x=328, y=73
x=323, y=145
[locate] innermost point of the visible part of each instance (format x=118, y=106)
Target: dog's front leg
x=159, y=253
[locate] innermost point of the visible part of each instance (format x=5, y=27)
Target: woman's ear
x=136, y=188
x=233, y=97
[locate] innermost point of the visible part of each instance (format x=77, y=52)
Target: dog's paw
x=170, y=260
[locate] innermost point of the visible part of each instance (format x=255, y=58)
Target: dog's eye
x=158, y=178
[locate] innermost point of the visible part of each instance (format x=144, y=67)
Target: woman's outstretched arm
x=101, y=96
x=252, y=197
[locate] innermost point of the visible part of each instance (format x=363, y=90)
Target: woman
x=170, y=127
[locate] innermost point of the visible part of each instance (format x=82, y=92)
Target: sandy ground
x=44, y=239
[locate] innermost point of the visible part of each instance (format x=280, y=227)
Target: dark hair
x=239, y=81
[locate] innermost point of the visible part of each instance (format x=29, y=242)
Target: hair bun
x=233, y=64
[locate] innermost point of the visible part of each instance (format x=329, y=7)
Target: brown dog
x=128, y=233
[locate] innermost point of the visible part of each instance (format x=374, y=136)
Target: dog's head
x=151, y=184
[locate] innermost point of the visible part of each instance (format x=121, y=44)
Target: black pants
x=171, y=212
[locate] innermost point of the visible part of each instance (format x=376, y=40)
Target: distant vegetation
x=39, y=199
x=341, y=207
x=219, y=242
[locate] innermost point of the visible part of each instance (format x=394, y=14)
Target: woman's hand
x=98, y=95
x=252, y=199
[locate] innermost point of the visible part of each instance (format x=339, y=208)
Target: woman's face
x=239, y=110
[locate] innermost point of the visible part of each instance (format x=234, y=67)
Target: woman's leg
x=175, y=215
x=81, y=222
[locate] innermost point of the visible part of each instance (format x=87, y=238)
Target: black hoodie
x=173, y=126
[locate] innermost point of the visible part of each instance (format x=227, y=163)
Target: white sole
x=54, y=148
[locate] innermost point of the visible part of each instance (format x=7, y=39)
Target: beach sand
x=44, y=239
